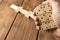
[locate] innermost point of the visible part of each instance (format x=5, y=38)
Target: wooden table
x=15, y=26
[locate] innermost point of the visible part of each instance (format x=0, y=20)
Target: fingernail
x=37, y=27
x=36, y=23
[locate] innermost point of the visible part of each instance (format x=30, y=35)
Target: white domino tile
x=42, y=17
x=47, y=8
x=39, y=10
x=44, y=13
x=44, y=26
x=49, y=16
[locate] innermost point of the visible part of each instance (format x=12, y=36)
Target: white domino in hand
x=45, y=16
x=23, y=11
x=44, y=13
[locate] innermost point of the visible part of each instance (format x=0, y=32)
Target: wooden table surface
x=15, y=26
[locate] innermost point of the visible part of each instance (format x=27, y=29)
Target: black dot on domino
x=41, y=17
x=44, y=11
x=45, y=23
x=49, y=15
x=18, y=11
x=46, y=27
x=37, y=13
x=49, y=26
x=29, y=17
x=44, y=7
x=40, y=21
x=54, y=25
x=48, y=21
x=39, y=10
x=42, y=28
x=48, y=5
x=49, y=10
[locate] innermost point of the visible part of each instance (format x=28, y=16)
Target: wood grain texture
x=7, y=16
x=23, y=28
x=44, y=35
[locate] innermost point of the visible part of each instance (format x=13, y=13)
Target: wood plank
x=45, y=35
x=23, y=28
x=7, y=16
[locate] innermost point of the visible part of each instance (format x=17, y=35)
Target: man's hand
x=55, y=15
x=36, y=19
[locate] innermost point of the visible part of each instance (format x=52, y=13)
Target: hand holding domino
x=44, y=12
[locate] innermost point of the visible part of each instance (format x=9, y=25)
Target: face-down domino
x=44, y=13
